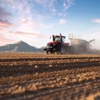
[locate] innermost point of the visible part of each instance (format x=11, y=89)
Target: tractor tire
x=63, y=50
x=46, y=52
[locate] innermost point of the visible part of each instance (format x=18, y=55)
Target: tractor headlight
x=49, y=46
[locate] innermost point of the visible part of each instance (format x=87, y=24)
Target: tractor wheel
x=58, y=49
x=47, y=52
x=57, y=52
x=63, y=50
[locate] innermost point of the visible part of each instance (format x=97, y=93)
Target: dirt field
x=36, y=76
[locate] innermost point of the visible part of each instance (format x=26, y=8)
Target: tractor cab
x=58, y=38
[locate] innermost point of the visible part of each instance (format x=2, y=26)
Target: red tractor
x=58, y=45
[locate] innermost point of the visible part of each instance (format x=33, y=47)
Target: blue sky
x=34, y=21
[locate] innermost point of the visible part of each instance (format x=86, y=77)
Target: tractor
x=58, y=45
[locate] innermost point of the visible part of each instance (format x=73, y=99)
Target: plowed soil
x=37, y=76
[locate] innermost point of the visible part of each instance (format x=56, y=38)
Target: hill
x=19, y=47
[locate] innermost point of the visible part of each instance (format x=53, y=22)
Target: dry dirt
x=36, y=76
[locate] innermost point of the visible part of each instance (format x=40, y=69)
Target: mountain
x=20, y=47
